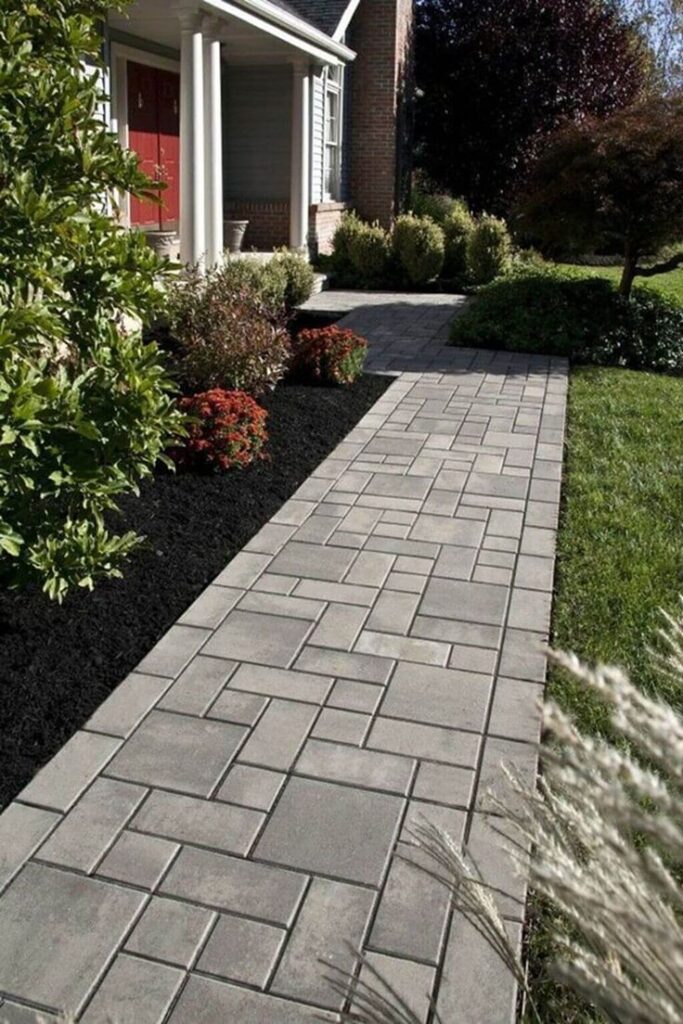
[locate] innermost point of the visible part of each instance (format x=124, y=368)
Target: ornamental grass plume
x=606, y=828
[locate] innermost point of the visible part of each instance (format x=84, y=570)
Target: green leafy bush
x=266, y=281
x=85, y=405
x=369, y=250
x=418, y=247
x=569, y=315
x=328, y=355
x=436, y=205
x=457, y=228
x=225, y=338
x=349, y=226
x=489, y=250
x=298, y=274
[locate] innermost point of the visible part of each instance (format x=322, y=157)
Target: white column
x=299, y=188
x=192, y=205
x=213, y=171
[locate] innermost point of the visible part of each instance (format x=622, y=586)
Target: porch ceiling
x=247, y=38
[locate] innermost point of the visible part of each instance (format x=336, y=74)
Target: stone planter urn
x=233, y=231
x=164, y=243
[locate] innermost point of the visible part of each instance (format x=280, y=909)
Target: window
x=333, y=133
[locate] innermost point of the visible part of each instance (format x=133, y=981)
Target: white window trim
x=338, y=89
x=119, y=55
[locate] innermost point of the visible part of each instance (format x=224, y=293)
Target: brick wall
x=268, y=226
x=324, y=218
x=381, y=35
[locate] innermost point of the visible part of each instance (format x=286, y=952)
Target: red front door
x=154, y=134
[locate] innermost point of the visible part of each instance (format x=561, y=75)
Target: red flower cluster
x=226, y=429
x=328, y=355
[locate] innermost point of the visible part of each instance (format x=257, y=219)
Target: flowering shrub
x=226, y=336
x=328, y=355
x=225, y=429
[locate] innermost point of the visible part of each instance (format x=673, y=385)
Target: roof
x=322, y=14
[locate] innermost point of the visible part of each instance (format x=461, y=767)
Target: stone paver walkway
x=236, y=811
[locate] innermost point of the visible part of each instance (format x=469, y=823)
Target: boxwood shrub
x=583, y=318
x=418, y=247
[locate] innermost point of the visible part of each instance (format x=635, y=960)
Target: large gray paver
x=333, y=830
x=177, y=752
x=58, y=932
x=330, y=926
x=365, y=664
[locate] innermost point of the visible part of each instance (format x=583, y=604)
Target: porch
x=216, y=99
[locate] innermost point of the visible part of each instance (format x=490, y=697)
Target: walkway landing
x=235, y=817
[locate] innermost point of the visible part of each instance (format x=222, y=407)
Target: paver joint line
x=241, y=805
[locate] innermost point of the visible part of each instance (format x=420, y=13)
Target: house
x=279, y=112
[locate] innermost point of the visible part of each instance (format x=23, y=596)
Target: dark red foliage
x=495, y=77
x=328, y=355
x=226, y=429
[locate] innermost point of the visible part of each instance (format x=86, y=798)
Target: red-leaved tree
x=496, y=77
x=616, y=181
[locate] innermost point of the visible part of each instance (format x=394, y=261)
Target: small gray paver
x=442, y=530
x=473, y=659
x=138, y=859
x=475, y=986
x=170, y=930
x=265, y=639
x=280, y=682
x=438, y=696
x=281, y=604
x=445, y=784
x=520, y=757
x=236, y=885
x=364, y=667
x=205, y=1001
x=211, y=607
x=22, y=830
x=237, y=707
x=309, y=829
x=354, y=696
x=203, y=822
x=15, y=1013
x=403, y=648
x=467, y=602
x=243, y=570
x=134, y=992
x=522, y=655
x=406, y=582
x=393, y=612
x=516, y=711
x=371, y=568
x=534, y=573
x=344, y=726
x=60, y=783
x=45, y=909
x=339, y=626
x=172, y=653
x=530, y=609
x=344, y=593
x=389, y=486
x=337, y=762
x=270, y=538
x=251, y=787
x=413, y=910
x=241, y=950
x=421, y=813
x=279, y=735
x=198, y=686
x=330, y=926
x=89, y=828
x=494, y=857
x=128, y=704
x=410, y=981
x=177, y=752
x=428, y=741
x=311, y=561
x=270, y=583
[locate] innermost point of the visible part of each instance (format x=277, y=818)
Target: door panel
x=169, y=146
x=143, y=136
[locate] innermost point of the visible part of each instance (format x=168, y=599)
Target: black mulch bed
x=57, y=664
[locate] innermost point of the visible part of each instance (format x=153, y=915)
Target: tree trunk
x=629, y=272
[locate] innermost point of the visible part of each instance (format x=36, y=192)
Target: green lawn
x=670, y=284
x=620, y=557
